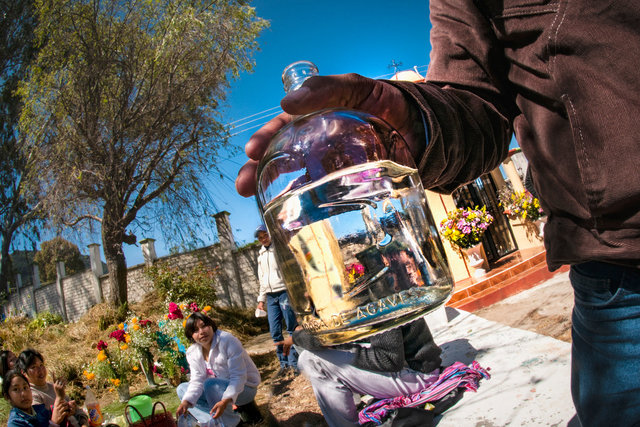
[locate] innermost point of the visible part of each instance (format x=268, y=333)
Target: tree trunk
x=117, y=266
x=5, y=264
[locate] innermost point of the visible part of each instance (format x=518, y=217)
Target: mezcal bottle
x=344, y=205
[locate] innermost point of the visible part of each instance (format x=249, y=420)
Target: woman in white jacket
x=222, y=374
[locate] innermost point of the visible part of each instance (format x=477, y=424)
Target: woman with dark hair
x=7, y=362
x=16, y=390
x=222, y=374
x=31, y=363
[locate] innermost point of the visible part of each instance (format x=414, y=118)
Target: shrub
x=44, y=320
x=175, y=285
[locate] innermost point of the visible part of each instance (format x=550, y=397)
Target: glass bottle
x=345, y=208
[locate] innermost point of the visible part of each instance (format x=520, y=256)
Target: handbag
x=156, y=419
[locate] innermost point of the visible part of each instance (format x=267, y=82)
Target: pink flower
x=194, y=307
x=174, y=311
x=101, y=345
x=145, y=322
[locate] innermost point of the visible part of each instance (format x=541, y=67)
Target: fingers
x=246, y=180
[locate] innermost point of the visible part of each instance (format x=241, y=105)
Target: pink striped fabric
x=456, y=375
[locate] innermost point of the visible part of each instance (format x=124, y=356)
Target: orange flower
x=124, y=347
x=111, y=390
x=134, y=320
x=89, y=375
x=206, y=308
x=102, y=356
x=136, y=326
x=135, y=368
x=115, y=382
x=127, y=338
x=121, y=326
x=184, y=323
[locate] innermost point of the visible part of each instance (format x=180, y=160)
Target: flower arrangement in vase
x=464, y=227
x=115, y=364
x=520, y=204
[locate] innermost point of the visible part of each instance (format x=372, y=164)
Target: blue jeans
x=212, y=394
x=605, y=362
x=278, y=308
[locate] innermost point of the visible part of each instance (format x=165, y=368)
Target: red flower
x=194, y=307
x=101, y=345
x=144, y=323
x=174, y=311
x=118, y=335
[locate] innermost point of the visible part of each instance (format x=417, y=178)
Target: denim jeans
x=278, y=308
x=213, y=390
x=605, y=362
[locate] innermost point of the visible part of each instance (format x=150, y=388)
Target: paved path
x=530, y=383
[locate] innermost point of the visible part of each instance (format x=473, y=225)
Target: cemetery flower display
x=464, y=227
x=521, y=204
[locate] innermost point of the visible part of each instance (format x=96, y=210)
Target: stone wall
x=236, y=283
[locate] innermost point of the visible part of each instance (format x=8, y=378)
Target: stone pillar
x=148, y=248
x=60, y=274
x=97, y=269
x=225, y=233
x=512, y=174
x=228, y=263
x=36, y=276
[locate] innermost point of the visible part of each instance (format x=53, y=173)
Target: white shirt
x=228, y=360
x=268, y=273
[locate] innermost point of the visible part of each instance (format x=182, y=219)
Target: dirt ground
x=545, y=309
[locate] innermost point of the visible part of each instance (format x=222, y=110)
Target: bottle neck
x=295, y=74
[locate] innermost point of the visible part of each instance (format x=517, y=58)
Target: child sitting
x=16, y=390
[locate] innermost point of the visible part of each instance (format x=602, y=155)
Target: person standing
x=273, y=294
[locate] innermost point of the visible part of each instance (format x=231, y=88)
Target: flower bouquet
x=172, y=342
x=464, y=228
x=115, y=363
x=521, y=204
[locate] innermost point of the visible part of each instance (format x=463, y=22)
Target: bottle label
x=95, y=417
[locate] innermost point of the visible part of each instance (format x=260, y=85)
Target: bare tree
x=121, y=111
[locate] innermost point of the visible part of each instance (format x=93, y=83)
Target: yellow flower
x=124, y=347
x=111, y=390
x=135, y=368
x=136, y=326
x=184, y=323
x=121, y=326
x=102, y=356
x=115, y=382
x=127, y=338
x=89, y=375
x=134, y=320
x=183, y=306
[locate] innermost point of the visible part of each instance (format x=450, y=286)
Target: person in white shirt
x=222, y=374
x=273, y=293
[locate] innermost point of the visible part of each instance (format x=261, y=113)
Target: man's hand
x=347, y=90
x=218, y=408
x=261, y=306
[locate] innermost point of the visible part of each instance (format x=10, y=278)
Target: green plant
x=44, y=320
x=174, y=284
x=464, y=228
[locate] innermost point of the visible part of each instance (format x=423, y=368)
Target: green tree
x=19, y=210
x=54, y=250
x=122, y=114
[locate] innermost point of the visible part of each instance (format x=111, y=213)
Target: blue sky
x=339, y=37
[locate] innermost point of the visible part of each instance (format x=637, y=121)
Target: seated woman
x=16, y=390
x=31, y=363
x=222, y=374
